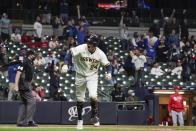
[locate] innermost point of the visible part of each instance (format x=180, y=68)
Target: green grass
x=102, y=128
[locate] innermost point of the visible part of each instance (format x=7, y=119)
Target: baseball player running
x=86, y=60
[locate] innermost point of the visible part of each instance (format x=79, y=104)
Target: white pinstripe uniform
x=86, y=65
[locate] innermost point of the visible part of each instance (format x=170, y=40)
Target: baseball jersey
x=87, y=63
x=176, y=103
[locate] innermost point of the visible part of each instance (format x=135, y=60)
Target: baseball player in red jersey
x=176, y=107
x=86, y=59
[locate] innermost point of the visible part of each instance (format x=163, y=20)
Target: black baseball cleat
x=22, y=125
x=32, y=124
x=95, y=121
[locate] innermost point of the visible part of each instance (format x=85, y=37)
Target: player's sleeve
x=104, y=59
x=76, y=50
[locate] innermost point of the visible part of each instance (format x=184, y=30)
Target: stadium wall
x=57, y=112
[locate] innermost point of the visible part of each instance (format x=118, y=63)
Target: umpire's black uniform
x=27, y=107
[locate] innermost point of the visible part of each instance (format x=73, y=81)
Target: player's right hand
x=64, y=69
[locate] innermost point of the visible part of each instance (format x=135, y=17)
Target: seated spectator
x=156, y=70
x=54, y=42
x=16, y=37
x=131, y=96
x=39, y=60
x=25, y=38
x=38, y=92
x=178, y=69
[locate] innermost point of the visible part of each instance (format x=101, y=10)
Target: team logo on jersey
x=89, y=59
x=72, y=111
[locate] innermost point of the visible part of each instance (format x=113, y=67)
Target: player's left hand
x=108, y=76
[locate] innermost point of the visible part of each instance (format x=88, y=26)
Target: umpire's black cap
x=93, y=39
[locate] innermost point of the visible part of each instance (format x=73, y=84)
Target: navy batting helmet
x=93, y=39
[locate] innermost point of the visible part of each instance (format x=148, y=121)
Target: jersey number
x=93, y=67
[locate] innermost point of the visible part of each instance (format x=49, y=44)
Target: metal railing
x=106, y=18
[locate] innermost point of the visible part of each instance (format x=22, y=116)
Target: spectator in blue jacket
x=70, y=30
x=81, y=35
x=12, y=69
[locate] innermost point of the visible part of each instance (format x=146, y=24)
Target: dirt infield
x=12, y=127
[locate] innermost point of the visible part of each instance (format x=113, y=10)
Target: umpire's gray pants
x=27, y=108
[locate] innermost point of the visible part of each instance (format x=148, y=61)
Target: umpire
x=24, y=78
